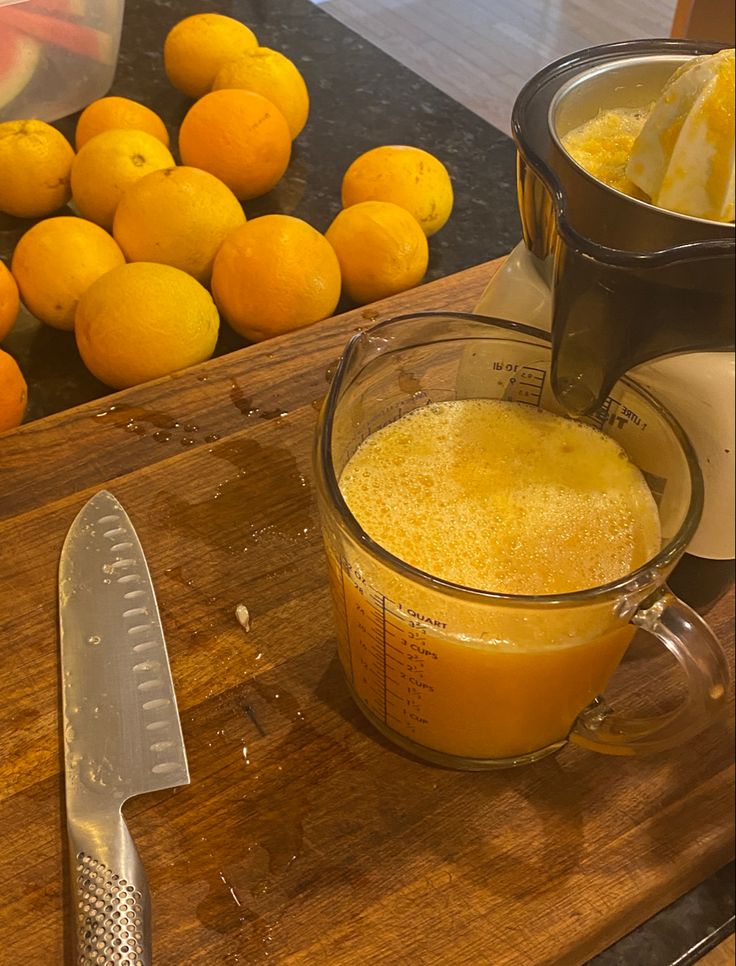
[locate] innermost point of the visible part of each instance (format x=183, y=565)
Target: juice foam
x=499, y=496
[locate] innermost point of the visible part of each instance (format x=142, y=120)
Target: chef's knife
x=122, y=734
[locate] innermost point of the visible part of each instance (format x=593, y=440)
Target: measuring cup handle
x=688, y=637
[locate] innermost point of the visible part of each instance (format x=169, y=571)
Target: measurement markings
x=399, y=625
x=605, y=412
x=389, y=600
x=385, y=659
x=347, y=620
x=376, y=637
x=526, y=385
x=398, y=648
x=533, y=380
x=397, y=719
x=376, y=686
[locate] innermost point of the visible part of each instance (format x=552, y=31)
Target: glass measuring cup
x=474, y=679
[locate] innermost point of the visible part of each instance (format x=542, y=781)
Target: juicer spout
x=577, y=395
x=608, y=319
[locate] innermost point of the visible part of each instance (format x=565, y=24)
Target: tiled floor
x=481, y=52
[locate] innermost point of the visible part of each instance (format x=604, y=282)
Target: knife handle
x=110, y=895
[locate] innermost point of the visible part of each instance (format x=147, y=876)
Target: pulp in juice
x=502, y=498
x=603, y=147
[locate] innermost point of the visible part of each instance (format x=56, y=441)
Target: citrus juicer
x=623, y=286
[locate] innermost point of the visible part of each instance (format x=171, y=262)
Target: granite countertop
x=360, y=98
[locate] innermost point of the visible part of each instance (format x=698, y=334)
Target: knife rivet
x=94, y=639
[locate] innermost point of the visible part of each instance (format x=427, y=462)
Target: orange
x=238, y=136
x=56, y=261
x=196, y=48
x=381, y=249
x=274, y=274
x=35, y=161
x=275, y=77
x=110, y=162
x=142, y=321
x=13, y=393
x=113, y=113
x=9, y=301
x=177, y=216
x=407, y=176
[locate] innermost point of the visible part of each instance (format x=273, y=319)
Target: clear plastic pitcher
x=56, y=55
x=474, y=679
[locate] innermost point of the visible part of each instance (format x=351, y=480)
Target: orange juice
x=496, y=497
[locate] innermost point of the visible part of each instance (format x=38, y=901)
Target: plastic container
x=56, y=55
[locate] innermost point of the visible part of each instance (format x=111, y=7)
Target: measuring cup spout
x=361, y=348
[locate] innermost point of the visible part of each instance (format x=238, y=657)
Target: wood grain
x=164, y=419
x=723, y=955
x=304, y=838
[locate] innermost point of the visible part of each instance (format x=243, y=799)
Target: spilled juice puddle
x=267, y=495
x=155, y=423
x=253, y=870
x=137, y=419
x=246, y=406
x=159, y=425
x=223, y=909
x=225, y=912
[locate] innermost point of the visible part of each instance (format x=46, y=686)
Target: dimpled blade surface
x=122, y=734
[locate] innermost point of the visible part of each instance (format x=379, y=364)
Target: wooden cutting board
x=304, y=837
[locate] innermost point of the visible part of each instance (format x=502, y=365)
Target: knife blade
x=122, y=733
